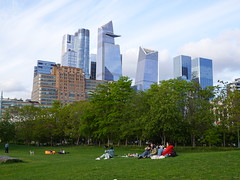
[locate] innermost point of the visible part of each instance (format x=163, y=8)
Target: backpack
x=174, y=154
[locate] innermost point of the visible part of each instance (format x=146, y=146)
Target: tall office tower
x=202, y=72
x=93, y=58
x=75, y=50
x=67, y=43
x=81, y=46
x=147, y=68
x=109, y=60
x=182, y=67
x=69, y=56
x=44, y=67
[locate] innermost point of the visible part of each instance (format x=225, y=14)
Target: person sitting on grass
x=149, y=151
x=167, y=151
x=107, y=155
x=62, y=151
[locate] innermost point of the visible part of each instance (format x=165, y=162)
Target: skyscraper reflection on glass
x=182, y=67
x=109, y=60
x=147, y=68
x=202, y=72
x=43, y=67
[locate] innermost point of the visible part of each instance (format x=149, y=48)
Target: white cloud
x=165, y=65
x=11, y=85
x=130, y=58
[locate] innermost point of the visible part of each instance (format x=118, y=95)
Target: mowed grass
x=80, y=163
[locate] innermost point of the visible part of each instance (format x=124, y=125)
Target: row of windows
x=46, y=83
x=46, y=99
x=48, y=96
x=47, y=76
x=48, y=80
x=47, y=89
x=46, y=92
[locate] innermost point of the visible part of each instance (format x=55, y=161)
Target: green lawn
x=80, y=163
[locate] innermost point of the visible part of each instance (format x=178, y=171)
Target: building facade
x=93, y=66
x=44, y=89
x=70, y=83
x=235, y=85
x=44, y=67
x=6, y=103
x=109, y=59
x=182, y=67
x=90, y=86
x=147, y=69
x=202, y=72
x=75, y=50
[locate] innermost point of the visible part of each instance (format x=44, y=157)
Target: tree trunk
x=51, y=141
x=224, y=139
x=88, y=141
x=238, y=136
x=193, y=141
x=78, y=139
x=126, y=142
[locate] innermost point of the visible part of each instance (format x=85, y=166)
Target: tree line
x=173, y=110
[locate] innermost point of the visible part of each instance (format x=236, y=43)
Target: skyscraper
x=202, y=72
x=69, y=56
x=44, y=67
x=93, y=58
x=75, y=50
x=147, y=68
x=109, y=60
x=182, y=67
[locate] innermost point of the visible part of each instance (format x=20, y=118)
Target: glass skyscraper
x=202, y=72
x=93, y=58
x=75, y=51
x=43, y=67
x=147, y=68
x=182, y=67
x=109, y=60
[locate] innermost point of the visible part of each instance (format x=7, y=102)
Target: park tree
x=165, y=116
x=7, y=130
x=109, y=101
x=25, y=125
x=220, y=110
x=79, y=121
x=135, y=118
x=234, y=111
x=199, y=111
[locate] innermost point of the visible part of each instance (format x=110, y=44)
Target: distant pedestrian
x=6, y=147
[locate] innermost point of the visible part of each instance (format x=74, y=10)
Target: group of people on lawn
x=158, y=152
x=151, y=151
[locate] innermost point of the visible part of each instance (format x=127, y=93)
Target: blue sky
x=33, y=29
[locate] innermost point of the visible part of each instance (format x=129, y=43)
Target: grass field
x=80, y=163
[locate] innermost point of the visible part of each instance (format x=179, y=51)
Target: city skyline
x=33, y=30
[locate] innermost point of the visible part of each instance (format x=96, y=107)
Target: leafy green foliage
x=174, y=110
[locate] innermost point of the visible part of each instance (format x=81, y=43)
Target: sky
x=32, y=30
